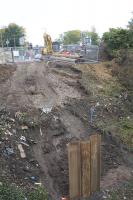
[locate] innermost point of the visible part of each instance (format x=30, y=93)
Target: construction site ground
x=44, y=106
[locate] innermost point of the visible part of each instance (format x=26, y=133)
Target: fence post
x=12, y=55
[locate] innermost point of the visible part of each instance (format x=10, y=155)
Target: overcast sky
x=57, y=16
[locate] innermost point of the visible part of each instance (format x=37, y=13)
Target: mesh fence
x=21, y=54
x=18, y=54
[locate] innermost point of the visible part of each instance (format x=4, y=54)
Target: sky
x=58, y=16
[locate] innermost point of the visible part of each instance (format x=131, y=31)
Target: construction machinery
x=47, y=45
x=62, y=56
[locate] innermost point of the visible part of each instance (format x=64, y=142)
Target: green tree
x=71, y=37
x=94, y=36
x=12, y=33
x=74, y=36
x=130, y=24
x=117, y=39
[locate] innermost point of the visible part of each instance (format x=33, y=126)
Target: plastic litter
x=8, y=151
x=92, y=111
x=46, y=110
x=33, y=178
x=23, y=138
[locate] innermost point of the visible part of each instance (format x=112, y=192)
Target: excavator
x=49, y=54
x=47, y=50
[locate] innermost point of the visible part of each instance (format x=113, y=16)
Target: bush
x=117, y=39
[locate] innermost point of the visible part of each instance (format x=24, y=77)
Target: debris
x=55, y=118
x=40, y=131
x=24, y=127
x=33, y=178
x=8, y=151
x=46, y=110
x=63, y=198
x=23, y=138
x=24, y=143
x=30, y=141
x=97, y=104
x=92, y=111
x=38, y=184
x=8, y=133
x=22, y=153
x=12, y=120
x=18, y=115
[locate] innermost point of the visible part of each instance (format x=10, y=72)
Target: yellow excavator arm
x=47, y=44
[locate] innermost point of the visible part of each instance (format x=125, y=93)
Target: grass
x=123, y=128
x=108, y=91
x=123, y=192
x=11, y=192
x=112, y=88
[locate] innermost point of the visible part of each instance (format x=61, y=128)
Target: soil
x=47, y=105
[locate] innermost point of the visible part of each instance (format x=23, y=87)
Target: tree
x=71, y=37
x=12, y=33
x=117, y=39
x=75, y=36
x=130, y=24
x=93, y=35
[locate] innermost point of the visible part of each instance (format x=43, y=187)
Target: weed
x=11, y=192
x=39, y=194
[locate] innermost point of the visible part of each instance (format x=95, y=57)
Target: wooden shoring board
x=74, y=170
x=95, y=162
x=86, y=168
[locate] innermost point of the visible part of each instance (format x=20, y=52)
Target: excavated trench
x=51, y=103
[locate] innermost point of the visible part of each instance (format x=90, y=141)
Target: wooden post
x=74, y=170
x=95, y=162
x=86, y=168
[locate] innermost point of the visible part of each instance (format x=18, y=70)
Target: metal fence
x=19, y=54
x=90, y=52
